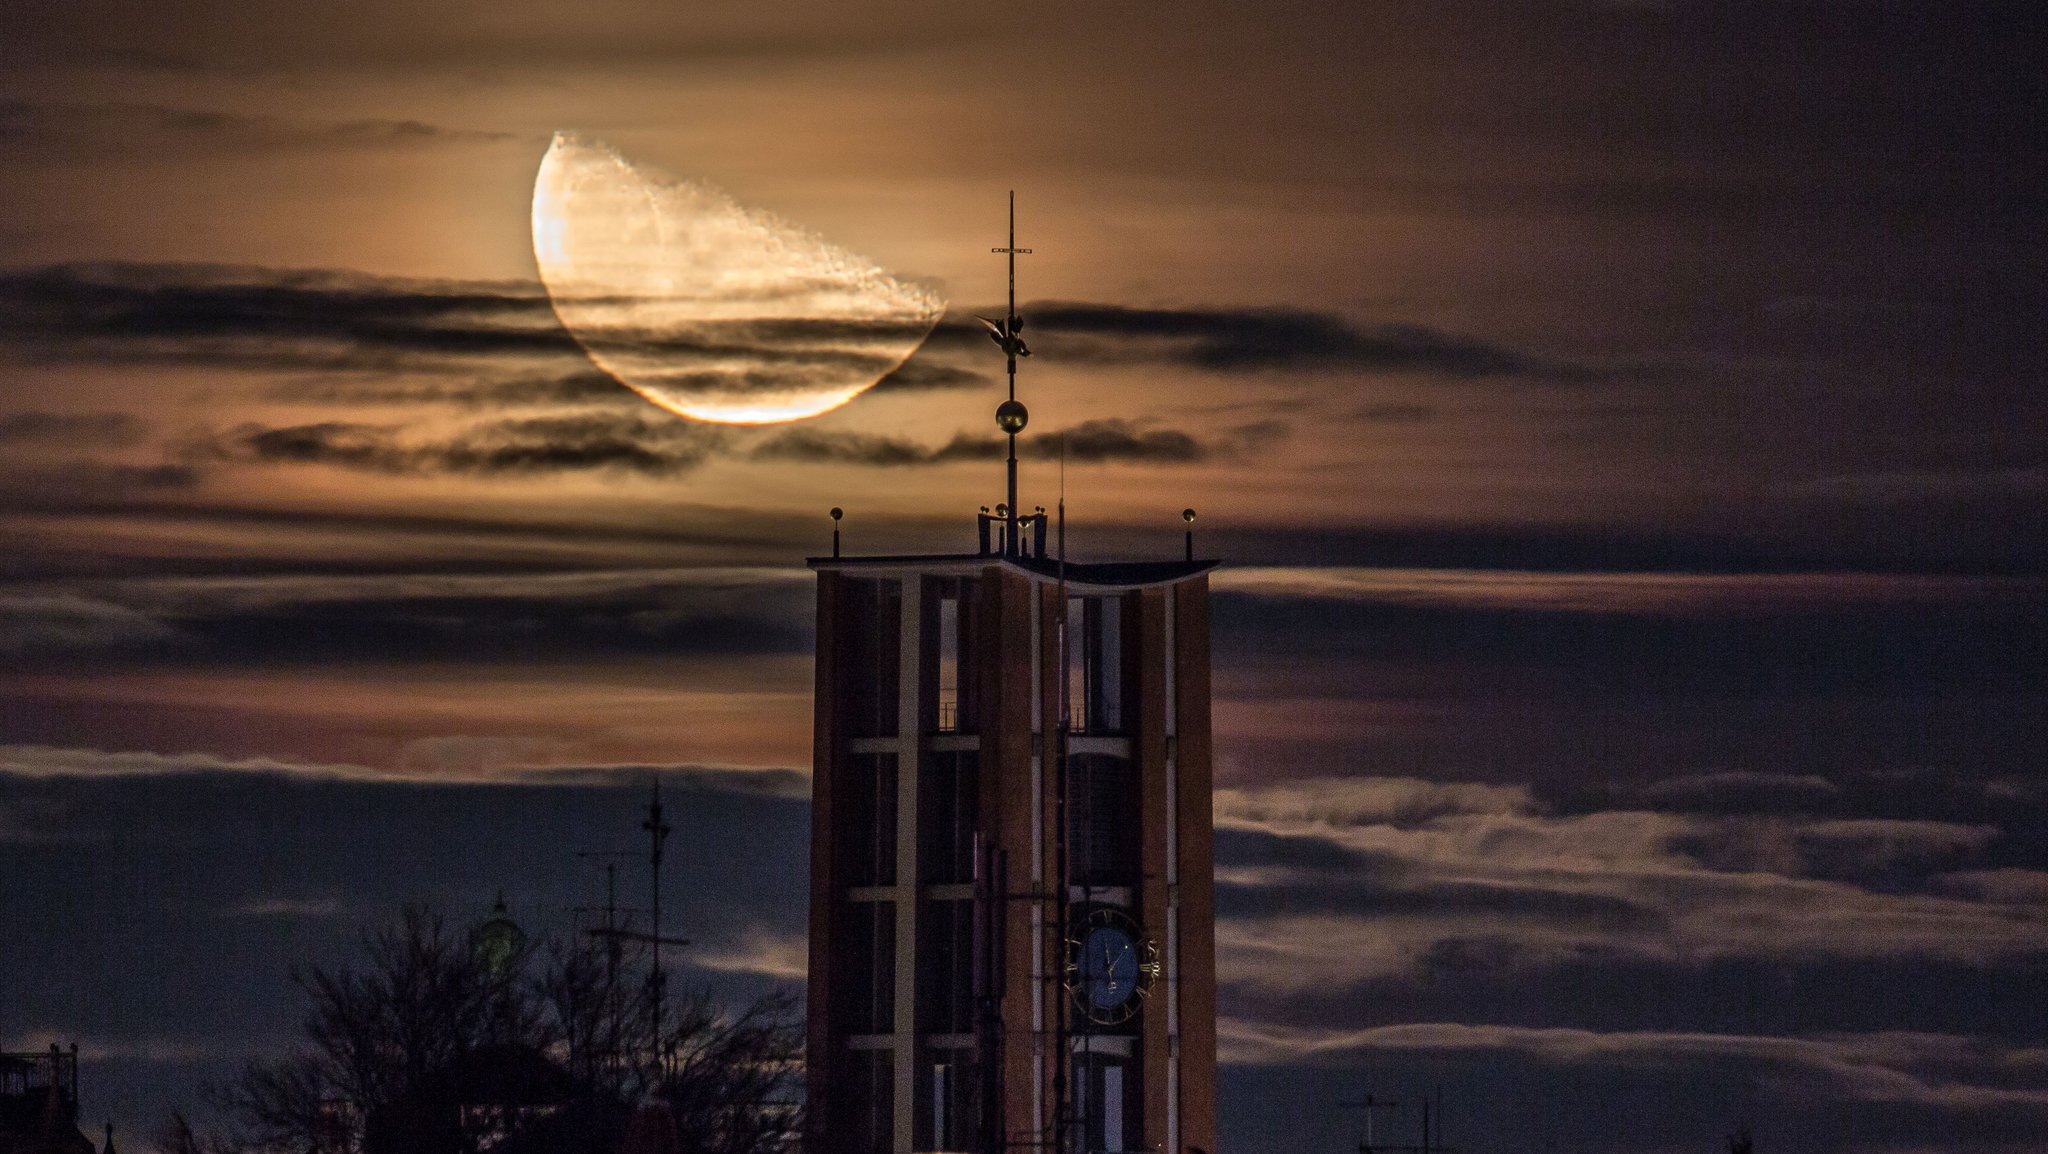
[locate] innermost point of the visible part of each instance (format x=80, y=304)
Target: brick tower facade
x=1012, y=897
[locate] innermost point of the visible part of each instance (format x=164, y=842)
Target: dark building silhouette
x=39, y=1104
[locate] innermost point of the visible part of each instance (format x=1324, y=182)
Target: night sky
x=1622, y=422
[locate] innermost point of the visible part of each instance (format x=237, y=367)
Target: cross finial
x=1008, y=334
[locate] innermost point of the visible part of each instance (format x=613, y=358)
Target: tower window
x=949, y=666
x=1106, y=1098
x=866, y=820
x=867, y=1106
x=866, y=998
x=870, y=619
x=949, y=806
x=945, y=969
x=949, y=1097
x=1095, y=652
x=1102, y=816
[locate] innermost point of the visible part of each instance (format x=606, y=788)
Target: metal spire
x=1011, y=414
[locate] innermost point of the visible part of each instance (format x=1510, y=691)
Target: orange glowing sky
x=1621, y=424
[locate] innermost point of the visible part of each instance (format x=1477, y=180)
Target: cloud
x=77, y=482
x=1939, y=1070
x=1859, y=847
x=760, y=951
x=1396, y=413
x=2009, y=885
x=332, y=321
x=246, y=317
x=1401, y=801
x=569, y=389
x=619, y=442
x=44, y=763
x=35, y=623
x=137, y=130
x=425, y=616
x=1330, y=884
x=1274, y=339
x=916, y=375
x=286, y=908
x=1741, y=791
x=1637, y=593
x=358, y=541
x=71, y=428
x=1936, y=487
x=1089, y=442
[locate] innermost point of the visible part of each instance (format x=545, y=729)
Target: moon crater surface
x=705, y=307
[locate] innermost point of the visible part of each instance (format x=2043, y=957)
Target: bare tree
x=433, y=1046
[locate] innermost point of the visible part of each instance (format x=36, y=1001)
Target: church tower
x=1012, y=941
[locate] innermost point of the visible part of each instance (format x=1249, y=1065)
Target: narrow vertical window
x=1074, y=632
x=948, y=811
x=946, y=967
x=866, y=839
x=1102, y=810
x=1107, y=637
x=1113, y=1109
x=1095, y=664
x=870, y=1100
x=949, y=663
x=867, y=996
x=868, y=642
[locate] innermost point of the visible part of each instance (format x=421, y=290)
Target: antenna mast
x=657, y=977
x=1063, y=1056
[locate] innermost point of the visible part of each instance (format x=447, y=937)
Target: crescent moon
x=705, y=307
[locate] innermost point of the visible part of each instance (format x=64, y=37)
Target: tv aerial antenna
x=616, y=935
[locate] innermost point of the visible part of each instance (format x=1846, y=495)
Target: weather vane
x=1011, y=415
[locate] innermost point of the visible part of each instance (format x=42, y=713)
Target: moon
x=707, y=308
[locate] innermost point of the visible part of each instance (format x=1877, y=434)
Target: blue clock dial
x=1109, y=967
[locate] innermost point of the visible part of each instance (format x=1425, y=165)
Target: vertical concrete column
x=1011, y=772
x=1149, y=750
x=1170, y=948
x=909, y=741
x=820, y=1063
x=1197, y=868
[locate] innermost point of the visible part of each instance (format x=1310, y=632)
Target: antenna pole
x=1010, y=322
x=657, y=978
x=1063, y=1057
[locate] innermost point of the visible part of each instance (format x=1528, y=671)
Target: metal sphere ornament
x=1011, y=417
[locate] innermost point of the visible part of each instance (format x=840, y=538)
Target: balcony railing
x=1079, y=722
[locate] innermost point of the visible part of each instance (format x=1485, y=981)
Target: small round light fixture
x=1011, y=416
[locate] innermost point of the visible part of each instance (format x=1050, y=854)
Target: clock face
x=1108, y=968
